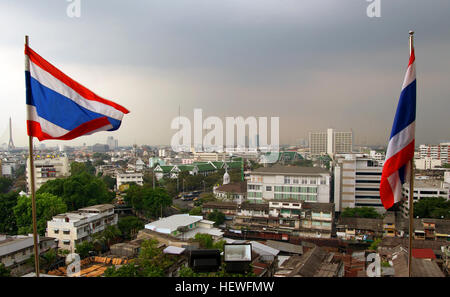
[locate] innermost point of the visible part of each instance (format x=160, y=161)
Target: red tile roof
x=423, y=254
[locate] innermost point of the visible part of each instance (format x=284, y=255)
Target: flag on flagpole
x=60, y=108
x=400, y=151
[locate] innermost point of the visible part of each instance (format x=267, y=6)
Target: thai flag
x=60, y=108
x=400, y=149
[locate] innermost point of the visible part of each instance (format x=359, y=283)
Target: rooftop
x=170, y=224
x=291, y=170
x=237, y=187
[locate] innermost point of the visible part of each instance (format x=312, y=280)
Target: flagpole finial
x=411, y=32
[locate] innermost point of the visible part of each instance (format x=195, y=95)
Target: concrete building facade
x=357, y=182
x=310, y=184
x=47, y=168
x=72, y=228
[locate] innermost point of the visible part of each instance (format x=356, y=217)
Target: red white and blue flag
x=60, y=108
x=400, y=151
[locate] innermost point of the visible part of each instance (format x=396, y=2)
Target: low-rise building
x=316, y=262
x=184, y=226
x=129, y=177
x=72, y=228
x=425, y=188
x=15, y=251
x=232, y=192
x=229, y=209
x=290, y=216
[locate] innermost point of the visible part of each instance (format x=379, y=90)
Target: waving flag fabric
x=60, y=108
x=400, y=149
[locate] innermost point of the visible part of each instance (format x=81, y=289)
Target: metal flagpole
x=411, y=186
x=33, y=192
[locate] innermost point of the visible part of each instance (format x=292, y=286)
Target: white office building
x=426, y=188
x=72, y=228
x=330, y=142
x=436, y=152
x=129, y=177
x=311, y=184
x=47, y=168
x=357, y=182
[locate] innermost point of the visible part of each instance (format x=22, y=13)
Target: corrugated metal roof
x=173, y=250
x=263, y=249
x=423, y=254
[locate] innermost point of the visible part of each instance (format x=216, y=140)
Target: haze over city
x=315, y=64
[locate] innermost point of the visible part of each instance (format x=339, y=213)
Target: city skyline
x=315, y=65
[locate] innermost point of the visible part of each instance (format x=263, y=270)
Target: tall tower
x=10, y=143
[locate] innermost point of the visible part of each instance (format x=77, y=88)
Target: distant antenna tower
x=11, y=142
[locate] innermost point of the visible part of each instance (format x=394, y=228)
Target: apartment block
x=357, y=182
x=330, y=142
x=436, y=152
x=310, y=184
x=47, y=168
x=72, y=228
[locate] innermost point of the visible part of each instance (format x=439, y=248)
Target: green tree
x=8, y=224
x=47, y=206
x=84, y=248
x=78, y=191
x=151, y=262
x=109, y=181
x=360, y=212
x=5, y=184
x=217, y=216
x=196, y=211
x=77, y=168
x=374, y=245
x=147, y=200
x=129, y=226
x=107, y=237
x=127, y=270
x=436, y=208
x=205, y=240
x=4, y=272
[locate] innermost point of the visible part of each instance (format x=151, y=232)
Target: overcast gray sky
x=315, y=63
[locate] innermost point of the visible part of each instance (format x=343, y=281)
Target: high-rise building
x=330, y=142
x=47, y=168
x=112, y=143
x=357, y=182
x=435, y=152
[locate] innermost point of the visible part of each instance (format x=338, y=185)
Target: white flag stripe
x=46, y=126
x=400, y=140
x=56, y=85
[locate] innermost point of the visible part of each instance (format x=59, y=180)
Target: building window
x=268, y=188
x=287, y=180
x=66, y=232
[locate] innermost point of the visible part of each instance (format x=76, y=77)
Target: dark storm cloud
x=315, y=64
